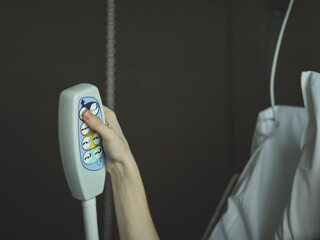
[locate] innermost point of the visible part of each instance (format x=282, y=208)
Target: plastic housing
x=83, y=183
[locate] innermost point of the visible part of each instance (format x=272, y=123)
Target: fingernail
x=87, y=115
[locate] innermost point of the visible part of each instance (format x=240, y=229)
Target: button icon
x=87, y=157
x=81, y=112
x=98, y=152
x=96, y=139
x=94, y=108
x=86, y=143
x=84, y=129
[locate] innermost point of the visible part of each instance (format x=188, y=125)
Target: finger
x=112, y=120
x=110, y=116
x=94, y=122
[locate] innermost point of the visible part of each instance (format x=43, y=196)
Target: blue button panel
x=90, y=142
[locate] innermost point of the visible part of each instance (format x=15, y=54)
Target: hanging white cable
x=89, y=212
x=110, y=101
x=275, y=61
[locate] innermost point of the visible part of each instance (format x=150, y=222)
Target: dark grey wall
x=172, y=82
x=191, y=78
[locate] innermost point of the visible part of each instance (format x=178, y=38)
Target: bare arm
x=131, y=206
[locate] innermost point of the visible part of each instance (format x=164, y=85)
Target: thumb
x=95, y=123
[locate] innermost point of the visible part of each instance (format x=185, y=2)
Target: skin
x=131, y=206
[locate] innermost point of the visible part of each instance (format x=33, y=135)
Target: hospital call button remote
x=81, y=148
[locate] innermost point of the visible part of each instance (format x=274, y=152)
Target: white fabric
x=301, y=219
x=255, y=208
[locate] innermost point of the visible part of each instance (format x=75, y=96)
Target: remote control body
x=81, y=149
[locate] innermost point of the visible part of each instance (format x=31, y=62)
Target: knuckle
x=112, y=136
x=108, y=112
x=97, y=121
x=111, y=114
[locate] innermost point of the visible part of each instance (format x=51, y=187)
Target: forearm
x=131, y=207
x=133, y=216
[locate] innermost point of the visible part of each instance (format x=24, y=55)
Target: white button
x=94, y=108
x=86, y=143
x=87, y=157
x=81, y=112
x=98, y=152
x=96, y=139
x=84, y=129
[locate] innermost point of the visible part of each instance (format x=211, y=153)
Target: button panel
x=91, y=151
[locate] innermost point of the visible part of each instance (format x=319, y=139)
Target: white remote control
x=81, y=150
x=80, y=147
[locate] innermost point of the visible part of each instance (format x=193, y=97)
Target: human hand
x=114, y=143
x=131, y=206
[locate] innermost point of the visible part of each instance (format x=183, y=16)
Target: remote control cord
x=275, y=61
x=272, y=77
x=89, y=211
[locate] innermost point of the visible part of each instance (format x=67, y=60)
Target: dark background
x=191, y=78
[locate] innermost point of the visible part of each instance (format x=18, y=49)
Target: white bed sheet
x=255, y=209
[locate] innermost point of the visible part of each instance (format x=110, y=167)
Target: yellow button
x=88, y=142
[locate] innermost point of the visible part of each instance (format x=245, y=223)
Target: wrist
x=127, y=167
